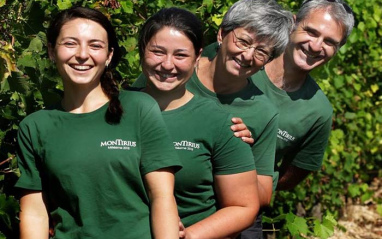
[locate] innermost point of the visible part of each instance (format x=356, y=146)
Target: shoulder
x=40, y=115
x=319, y=99
x=264, y=103
x=210, y=107
x=135, y=96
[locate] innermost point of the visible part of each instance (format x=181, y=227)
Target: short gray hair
x=267, y=19
x=338, y=9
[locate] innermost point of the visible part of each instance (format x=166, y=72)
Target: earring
x=218, y=46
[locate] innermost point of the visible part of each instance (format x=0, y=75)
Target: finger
x=182, y=234
x=248, y=140
x=243, y=133
x=238, y=127
x=236, y=120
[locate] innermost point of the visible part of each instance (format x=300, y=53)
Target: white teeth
x=309, y=55
x=166, y=75
x=81, y=68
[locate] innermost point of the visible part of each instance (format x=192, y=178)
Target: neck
x=215, y=77
x=284, y=75
x=169, y=100
x=82, y=99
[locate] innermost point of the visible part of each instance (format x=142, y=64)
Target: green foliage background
x=351, y=81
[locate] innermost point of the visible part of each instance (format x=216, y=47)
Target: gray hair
x=267, y=19
x=338, y=9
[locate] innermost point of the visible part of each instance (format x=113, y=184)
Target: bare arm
x=265, y=187
x=238, y=199
x=290, y=176
x=34, y=220
x=241, y=131
x=164, y=213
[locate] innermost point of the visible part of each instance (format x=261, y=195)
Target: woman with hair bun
x=100, y=164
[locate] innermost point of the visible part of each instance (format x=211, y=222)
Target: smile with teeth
x=240, y=63
x=310, y=55
x=81, y=67
x=166, y=75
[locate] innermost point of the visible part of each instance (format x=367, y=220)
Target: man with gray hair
x=321, y=28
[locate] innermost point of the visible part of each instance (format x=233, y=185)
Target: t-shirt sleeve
x=27, y=160
x=311, y=152
x=157, y=148
x=140, y=82
x=230, y=154
x=264, y=148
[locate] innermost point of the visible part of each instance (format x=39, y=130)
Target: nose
x=167, y=63
x=249, y=54
x=82, y=52
x=316, y=45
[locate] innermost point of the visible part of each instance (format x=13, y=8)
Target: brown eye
x=69, y=44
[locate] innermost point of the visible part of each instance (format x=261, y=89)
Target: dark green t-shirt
x=206, y=146
x=92, y=172
x=305, y=121
x=250, y=104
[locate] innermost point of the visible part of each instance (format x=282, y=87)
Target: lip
x=166, y=76
x=240, y=63
x=78, y=67
x=312, y=56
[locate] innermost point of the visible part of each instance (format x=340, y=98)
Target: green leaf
x=350, y=115
x=217, y=19
x=127, y=6
x=296, y=224
x=269, y=220
x=209, y=4
x=326, y=228
x=27, y=60
x=130, y=44
x=321, y=230
x=64, y=4
x=379, y=209
x=361, y=26
x=9, y=207
x=35, y=45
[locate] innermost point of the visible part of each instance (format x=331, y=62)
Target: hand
x=241, y=131
x=182, y=230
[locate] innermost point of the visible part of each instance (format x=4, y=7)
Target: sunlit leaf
x=64, y=4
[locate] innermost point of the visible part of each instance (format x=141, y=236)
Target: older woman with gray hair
x=251, y=35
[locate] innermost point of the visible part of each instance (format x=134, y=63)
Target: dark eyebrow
x=164, y=49
x=76, y=39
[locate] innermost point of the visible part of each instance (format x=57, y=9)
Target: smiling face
x=237, y=62
x=81, y=52
x=169, y=60
x=315, y=40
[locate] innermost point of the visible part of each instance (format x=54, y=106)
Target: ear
x=220, y=36
x=198, y=57
x=110, y=56
x=52, y=55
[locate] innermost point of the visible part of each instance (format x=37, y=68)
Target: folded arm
x=238, y=200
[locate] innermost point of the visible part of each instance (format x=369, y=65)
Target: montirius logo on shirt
x=186, y=145
x=119, y=144
x=284, y=135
